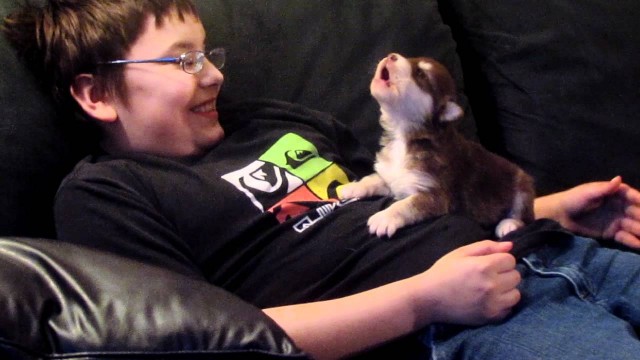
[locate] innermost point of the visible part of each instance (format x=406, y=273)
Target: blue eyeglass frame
x=217, y=56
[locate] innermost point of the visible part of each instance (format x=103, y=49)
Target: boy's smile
x=167, y=111
x=206, y=108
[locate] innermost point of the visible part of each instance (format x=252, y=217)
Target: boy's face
x=168, y=112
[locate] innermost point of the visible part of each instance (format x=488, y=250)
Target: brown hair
x=64, y=38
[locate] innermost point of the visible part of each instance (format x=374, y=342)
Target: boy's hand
x=472, y=285
x=604, y=209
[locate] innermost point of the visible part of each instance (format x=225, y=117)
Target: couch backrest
x=323, y=54
x=554, y=84
x=35, y=150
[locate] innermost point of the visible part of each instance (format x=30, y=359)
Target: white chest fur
x=393, y=165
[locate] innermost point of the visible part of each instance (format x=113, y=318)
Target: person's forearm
x=336, y=328
x=547, y=207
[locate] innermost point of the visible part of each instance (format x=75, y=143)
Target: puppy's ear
x=451, y=112
x=94, y=103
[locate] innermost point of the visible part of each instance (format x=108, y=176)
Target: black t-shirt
x=257, y=215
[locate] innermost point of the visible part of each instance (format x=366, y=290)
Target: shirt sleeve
x=113, y=210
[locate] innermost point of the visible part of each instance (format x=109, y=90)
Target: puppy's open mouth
x=384, y=74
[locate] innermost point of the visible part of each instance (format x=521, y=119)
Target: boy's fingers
x=511, y=299
x=509, y=280
x=502, y=262
x=630, y=194
x=628, y=239
x=486, y=247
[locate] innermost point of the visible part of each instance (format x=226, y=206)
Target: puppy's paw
x=351, y=190
x=508, y=225
x=385, y=223
x=368, y=186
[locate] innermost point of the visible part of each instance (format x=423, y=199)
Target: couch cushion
x=61, y=300
x=555, y=84
x=323, y=54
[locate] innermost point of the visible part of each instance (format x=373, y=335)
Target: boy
x=256, y=213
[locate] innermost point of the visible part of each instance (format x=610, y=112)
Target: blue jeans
x=579, y=301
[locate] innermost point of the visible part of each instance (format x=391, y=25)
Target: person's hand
x=471, y=285
x=603, y=209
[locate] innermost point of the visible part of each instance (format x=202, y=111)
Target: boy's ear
x=84, y=91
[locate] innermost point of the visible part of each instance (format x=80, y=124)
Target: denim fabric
x=579, y=301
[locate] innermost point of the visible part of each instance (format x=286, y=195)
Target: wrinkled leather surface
x=60, y=299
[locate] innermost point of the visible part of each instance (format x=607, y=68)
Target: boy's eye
x=192, y=61
x=189, y=62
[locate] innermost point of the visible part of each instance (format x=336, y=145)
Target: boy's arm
x=471, y=285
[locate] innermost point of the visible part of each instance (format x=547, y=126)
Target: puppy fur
x=427, y=165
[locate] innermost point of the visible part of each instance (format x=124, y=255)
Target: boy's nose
x=210, y=75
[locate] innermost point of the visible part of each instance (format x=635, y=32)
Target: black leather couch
x=553, y=85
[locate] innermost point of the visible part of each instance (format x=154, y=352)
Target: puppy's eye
x=421, y=74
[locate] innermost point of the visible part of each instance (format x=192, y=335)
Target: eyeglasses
x=191, y=62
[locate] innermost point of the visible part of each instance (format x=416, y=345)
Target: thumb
x=611, y=186
x=602, y=189
x=486, y=247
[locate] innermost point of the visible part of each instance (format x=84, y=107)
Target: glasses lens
x=217, y=57
x=192, y=62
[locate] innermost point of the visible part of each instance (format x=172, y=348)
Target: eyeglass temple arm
x=160, y=60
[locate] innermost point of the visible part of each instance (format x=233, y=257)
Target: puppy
x=427, y=165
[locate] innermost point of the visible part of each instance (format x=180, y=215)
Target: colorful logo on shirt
x=289, y=179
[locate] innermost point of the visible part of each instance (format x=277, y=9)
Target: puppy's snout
x=393, y=57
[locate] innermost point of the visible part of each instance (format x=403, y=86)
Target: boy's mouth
x=205, y=108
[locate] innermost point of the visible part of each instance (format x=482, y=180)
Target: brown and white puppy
x=427, y=165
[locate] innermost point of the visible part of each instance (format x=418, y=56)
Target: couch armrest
x=60, y=299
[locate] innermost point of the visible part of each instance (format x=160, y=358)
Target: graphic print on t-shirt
x=289, y=179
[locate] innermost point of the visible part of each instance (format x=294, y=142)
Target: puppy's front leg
x=401, y=213
x=407, y=211
x=368, y=186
